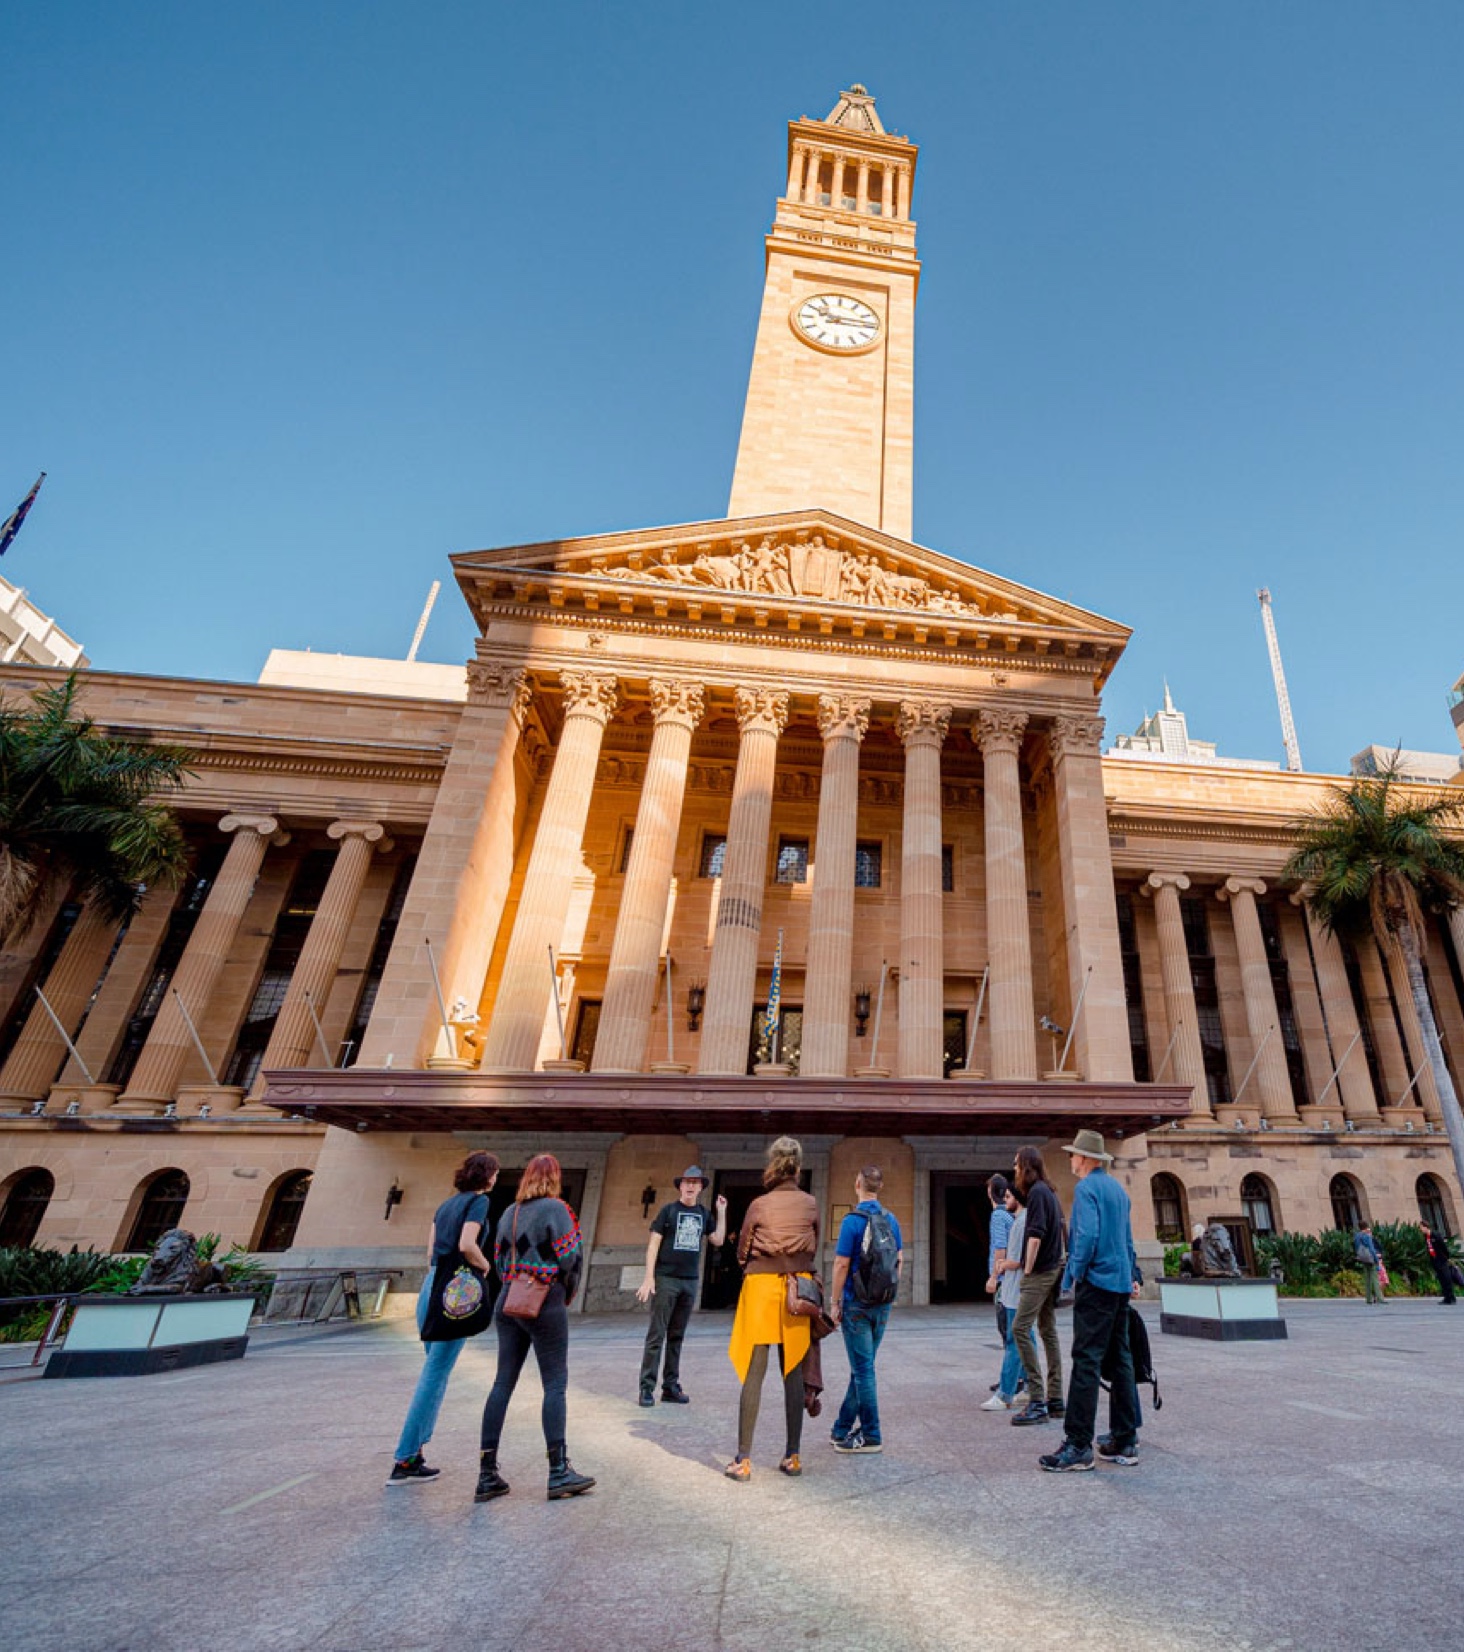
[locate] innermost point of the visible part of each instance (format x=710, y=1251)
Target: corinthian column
x=630, y=984
x=827, y=984
x=170, y=1044
x=922, y=725
x=1008, y=933
x=293, y=1042
x=32, y=1065
x=1354, y=1081
x=762, y=714
x=1090, y=909
x=1424, y=1088
x=1270, y=1080
x=1181, y=1014
x=513, y=1036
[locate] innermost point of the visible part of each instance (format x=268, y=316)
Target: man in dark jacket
x=1438, y=1255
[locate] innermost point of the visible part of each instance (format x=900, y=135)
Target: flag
x=775, y=995
x=12, y=527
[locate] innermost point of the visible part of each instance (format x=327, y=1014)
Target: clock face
x=837, y=322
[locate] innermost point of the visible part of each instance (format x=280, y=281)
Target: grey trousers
x=1037, y=1305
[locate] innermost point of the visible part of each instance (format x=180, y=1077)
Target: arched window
x=161, y=1207
x=1346, y=1202
x=282, y=1211
x=1432, y=1206
x=25, y=1205
x=1260, y=1207
x=1168, y=1198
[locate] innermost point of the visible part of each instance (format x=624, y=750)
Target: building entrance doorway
x=721, y=1276
x=960, y=1225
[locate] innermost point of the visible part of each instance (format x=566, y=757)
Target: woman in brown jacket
x=779, y=1237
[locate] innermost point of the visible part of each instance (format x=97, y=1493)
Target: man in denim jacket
x=1101, y=1270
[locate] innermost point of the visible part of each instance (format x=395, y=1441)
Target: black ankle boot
x=491, y=1483
x=563, y=1481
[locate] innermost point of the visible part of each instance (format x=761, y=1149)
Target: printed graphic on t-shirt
x=688, y=1234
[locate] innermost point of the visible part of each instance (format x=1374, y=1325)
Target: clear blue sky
x=300, y=299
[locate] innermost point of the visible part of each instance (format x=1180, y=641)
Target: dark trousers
x=670, y=1315
x=548, y=1336
x=1443, y=1270
x=1100, y=1334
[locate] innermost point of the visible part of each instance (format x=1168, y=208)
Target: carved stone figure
x=174, y=1269
x=1217, y=1254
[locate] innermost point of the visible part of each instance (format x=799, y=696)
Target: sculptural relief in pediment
x=809, y=568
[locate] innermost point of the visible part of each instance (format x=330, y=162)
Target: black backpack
x=875, y=1273
x=1139, y=1353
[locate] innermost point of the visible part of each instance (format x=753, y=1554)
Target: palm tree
x=81, y=810
x=1377, y=860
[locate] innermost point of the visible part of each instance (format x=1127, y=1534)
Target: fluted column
x=1090, y=909
x=293, y=1043
x=630, y=983
x=1425, y=1088
x=902, y=210
x=887, y=190
x=861, y=198
x=1008, y=930
x=732, y=975
x=1271, y=1082
x=169, y=1045
x=514, y=1032
x=827, y=982
x=922, y=725
x=38, y=1054
x=1187, y=1062
x=1387, y=1045
x=1354, y=1082
x=836, y=180
x=795, y=174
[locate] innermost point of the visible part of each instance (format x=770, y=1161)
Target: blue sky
x=299, y=300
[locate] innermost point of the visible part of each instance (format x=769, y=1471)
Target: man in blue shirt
x=866, y=1278
x=1101, y=1273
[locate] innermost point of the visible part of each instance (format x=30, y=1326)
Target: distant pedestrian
x=1042, y=1260
x=673, y=1272
x=1011, y=1380
x=1365, y=1249
x=1443, y=1267
x=1101, y=1269
x=866, y=1280
x=454, y=1245
x=779, y=1237
x=538, y=1239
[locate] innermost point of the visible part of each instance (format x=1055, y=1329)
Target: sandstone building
x=539, y=904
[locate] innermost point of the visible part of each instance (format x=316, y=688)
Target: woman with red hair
x=538, y=1239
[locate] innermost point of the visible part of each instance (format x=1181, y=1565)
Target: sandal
x=740, y=1468
x=791, y=1466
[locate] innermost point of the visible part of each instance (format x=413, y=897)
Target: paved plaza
x=1299, y=1495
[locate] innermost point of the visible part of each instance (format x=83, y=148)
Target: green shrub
x=1173, y=1256
x=1298, y=1254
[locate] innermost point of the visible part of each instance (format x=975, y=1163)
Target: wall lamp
x=696, y=1002
x=861, y=1012
x=394, y=1196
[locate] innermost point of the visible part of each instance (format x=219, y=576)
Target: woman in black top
x=456, y=1229
x=1044, y=1251
x=540, y=1238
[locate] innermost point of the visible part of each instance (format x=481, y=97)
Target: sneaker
x=1126, y=1456
x=740, y=1468
x=647, y=1399
x=791, y=1466
x=674, y=1396
x=1036, y=1412
x=412, y=1472
x=861, y=1447
x=1055, y=1408
x=849, y=1444
x=999, y=1402
x=1068, y=1459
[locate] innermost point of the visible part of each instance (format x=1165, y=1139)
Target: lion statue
x=174, y=1268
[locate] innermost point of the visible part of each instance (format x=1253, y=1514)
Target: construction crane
x=1283, y=699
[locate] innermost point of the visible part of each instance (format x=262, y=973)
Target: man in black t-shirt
x=673, y=1266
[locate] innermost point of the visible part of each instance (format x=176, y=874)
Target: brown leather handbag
x=805, y=1295
x=526, y=1291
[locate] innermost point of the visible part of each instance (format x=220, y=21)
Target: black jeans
x=548, y=1336
x=670, y=1314
x=1100, y=1330
x=1443, y=1272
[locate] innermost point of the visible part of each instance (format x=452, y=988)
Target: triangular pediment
x=803, y=557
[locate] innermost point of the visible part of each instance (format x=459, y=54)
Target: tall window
x=792, y=860
x=1260, y=1210
x=868, y=864
x=1346, y=1202
x=953, y=1041
x=623, y=865
x=1285, y=1010
x=1207, y=998
x=286, y=1205
x=1133, y=987
x=1359, y=1004
x=586, y=1029
x=787, y=1043
x=25, y=1205
x=1431, y=1206
x=948, y=868
x=36, y=976
x=380, y=952
x=1168, y=1198
x=713, y=854
x=160, y=1208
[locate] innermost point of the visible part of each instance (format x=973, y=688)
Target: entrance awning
x=647, y=1104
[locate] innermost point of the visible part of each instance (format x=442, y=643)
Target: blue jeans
x=1011, y=1362
x=863, y=1325
x=431, y=1385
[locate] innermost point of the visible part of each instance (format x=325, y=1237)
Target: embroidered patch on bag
x=462, y=1294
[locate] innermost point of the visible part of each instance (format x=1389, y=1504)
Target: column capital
x=923, y=722
x=499, y=685
x=1240, y=886
x=371, y=830
x=842, y=716
x=999, y=731
x=760, y=710
x=589, y=694
x=266, y=825
x=1074, y=736
x=1165, y=880
x=677, y=702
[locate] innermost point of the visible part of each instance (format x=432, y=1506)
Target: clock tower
x=829, y=420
